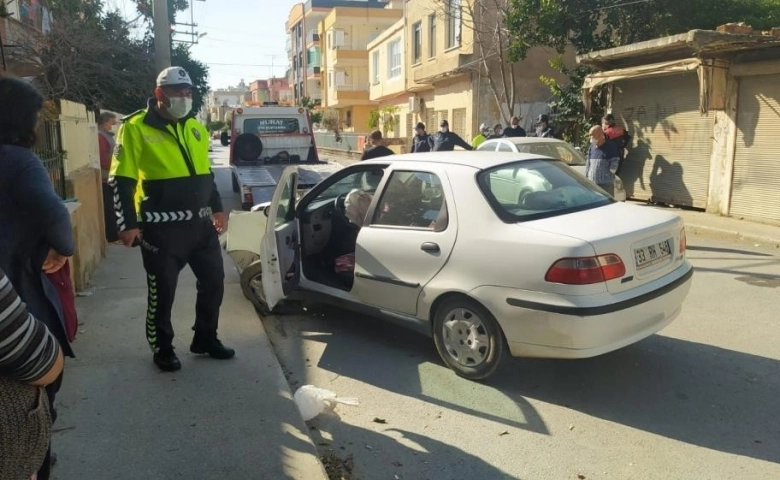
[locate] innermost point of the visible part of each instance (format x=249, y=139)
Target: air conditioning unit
x=414, y=104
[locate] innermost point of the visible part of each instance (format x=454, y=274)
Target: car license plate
x=652, y=254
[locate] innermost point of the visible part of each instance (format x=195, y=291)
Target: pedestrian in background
x=498, y=131
x=377, y=149
x=36, y=237
x=543, y=128
x=106, y=122
x=514, y=129
x=30, y=359
x=167, y=202
x=617, y=134
x=484, y=133
x=422, y=142
x=602, y=161
x=446, y=141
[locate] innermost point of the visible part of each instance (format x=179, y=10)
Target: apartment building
x=272, y=90
x=303, y=43
x=345, y=33
x=387, y=79
x=446, y=78
x=21, y=23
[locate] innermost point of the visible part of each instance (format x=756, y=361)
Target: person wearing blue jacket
x=37, y=236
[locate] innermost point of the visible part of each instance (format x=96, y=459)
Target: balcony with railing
x=313, y=71
x=312, y=37
x=350, y=54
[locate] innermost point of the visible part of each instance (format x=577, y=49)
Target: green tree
x=91, y=56
x=587, y=25
x=309, y=104
x=215, y=126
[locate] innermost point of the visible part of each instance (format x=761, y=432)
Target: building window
x=453, y=24
x=394, y=59
x=432, y=35
x=417, y=42
x=375, y=67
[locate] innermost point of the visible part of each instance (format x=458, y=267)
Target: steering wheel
x=340, y=206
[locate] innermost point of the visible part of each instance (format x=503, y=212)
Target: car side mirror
x=267, y=210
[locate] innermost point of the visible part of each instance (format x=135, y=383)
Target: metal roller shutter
x=756, y=183
x=669, y=159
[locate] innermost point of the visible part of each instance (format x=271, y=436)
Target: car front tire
x=468, y=338
x=252, y=287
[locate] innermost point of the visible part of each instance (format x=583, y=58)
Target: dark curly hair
x=20, y=103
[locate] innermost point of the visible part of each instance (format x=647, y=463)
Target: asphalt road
x=696, y=401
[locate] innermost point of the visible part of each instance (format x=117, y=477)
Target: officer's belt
x=176, y=216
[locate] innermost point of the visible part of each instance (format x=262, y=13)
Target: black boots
x=167, y=360
x=210, y=345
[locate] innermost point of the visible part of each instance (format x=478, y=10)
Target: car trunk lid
x=646, y=239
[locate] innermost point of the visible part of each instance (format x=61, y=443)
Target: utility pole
x=162, y=34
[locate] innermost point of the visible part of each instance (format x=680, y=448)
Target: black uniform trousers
x=166, y=249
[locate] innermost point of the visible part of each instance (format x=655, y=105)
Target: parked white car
x=549, y=147
x=453, y=245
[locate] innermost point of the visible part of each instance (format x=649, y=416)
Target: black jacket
x=421, y=143
x=517, y=131
x=446, y=142
x=376, y=152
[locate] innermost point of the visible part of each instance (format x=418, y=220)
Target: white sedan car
x=453, y=246
x=549, y=147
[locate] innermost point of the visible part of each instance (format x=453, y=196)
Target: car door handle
x=430, y=247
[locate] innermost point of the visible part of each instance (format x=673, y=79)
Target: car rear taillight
x=586, y=270
x=683, y=241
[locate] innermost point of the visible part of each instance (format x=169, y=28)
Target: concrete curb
x=764, y=240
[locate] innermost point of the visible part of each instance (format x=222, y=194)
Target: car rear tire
x=236, y=186
x=252, y=287
x=468, y=338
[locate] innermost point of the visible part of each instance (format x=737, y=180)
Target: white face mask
x=444, y=129
x=180, y=107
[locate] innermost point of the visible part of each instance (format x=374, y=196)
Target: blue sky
x=244, y=38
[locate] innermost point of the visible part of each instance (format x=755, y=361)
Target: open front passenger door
x=279, y=252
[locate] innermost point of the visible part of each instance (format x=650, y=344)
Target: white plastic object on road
x=312, y=401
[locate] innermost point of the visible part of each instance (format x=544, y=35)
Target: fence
x=49, y=150
x=342, y=141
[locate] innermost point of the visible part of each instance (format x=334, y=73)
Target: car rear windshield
x=534, y=189
x=560, y=150
x=267, y=125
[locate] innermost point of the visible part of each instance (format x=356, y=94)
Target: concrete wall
x=88, y=227
x=82, y=177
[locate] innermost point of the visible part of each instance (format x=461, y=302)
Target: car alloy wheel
x=468, y=338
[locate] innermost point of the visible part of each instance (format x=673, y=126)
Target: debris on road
x=505, y=432
x=312, y=401
x=338, y=468
x=379, y=420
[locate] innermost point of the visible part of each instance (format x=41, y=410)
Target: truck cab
x=263, y=141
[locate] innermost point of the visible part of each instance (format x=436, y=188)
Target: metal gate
x=49, y=150
x=669, y=159
x=755, y=190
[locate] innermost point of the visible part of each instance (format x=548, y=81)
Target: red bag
x=61, y=281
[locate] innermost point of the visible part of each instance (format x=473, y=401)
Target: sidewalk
x=123, y=419
x=729, y=228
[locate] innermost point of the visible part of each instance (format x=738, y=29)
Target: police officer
x=167, y=202
x=445, y=141
x=422, y=142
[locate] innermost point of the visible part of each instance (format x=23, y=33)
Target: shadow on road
x=691, y=392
